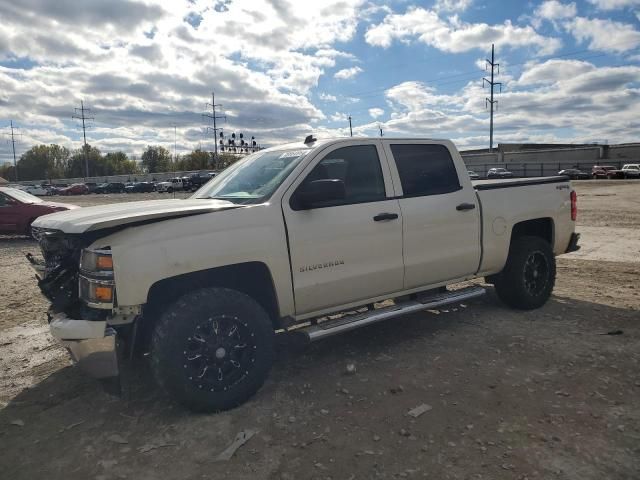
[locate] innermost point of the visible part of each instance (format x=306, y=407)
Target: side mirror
x=317, y=192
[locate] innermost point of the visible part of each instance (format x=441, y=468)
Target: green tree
x=76, y=165
x=117, y=163
x=196, y=160
x=43, y=162
x=156, y=159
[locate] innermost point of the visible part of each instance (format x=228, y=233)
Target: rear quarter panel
x=502, y=208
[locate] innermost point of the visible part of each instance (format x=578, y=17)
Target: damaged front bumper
x=91, y=344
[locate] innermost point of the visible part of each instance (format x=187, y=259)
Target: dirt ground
x=548, y=394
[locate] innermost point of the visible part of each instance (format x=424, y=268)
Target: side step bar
x=344, y=324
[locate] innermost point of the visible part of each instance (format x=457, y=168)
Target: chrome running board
x=351, y=322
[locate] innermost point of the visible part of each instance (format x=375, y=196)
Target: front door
x=9, y=212
x=351, y=250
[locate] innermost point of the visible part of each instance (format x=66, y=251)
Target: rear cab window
x=425, y=169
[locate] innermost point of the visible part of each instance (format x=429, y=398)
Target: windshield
x=253, y=179
x=22, y=196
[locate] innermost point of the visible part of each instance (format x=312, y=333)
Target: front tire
x=529, y=276
x=212, y=349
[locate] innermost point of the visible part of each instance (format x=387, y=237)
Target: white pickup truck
x=283, y=240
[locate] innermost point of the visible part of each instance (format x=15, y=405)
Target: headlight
x=97, y=262
x=96, y=283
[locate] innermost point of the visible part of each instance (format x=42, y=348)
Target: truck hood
x=88, y=219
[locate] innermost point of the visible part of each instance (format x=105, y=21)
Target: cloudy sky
x=285, y=68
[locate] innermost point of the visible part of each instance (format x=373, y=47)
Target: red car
x=18, y=209
x=75, y=189
x=601, y=171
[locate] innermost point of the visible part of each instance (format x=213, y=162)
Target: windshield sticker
x=294, y=153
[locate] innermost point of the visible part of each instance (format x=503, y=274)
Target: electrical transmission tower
x=13, y=145
x=12, y=140
x=215, y=128
x=82, y=116
x=495, y=69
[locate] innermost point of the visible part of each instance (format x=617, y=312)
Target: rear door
x=440, y=212
x=351, y=250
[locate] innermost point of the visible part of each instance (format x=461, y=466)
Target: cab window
x=359, y=168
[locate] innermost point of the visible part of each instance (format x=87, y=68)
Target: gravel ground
x=547, y=394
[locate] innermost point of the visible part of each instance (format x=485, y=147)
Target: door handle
x=385, y=216
x=465, y=206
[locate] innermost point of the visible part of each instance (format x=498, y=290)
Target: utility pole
x=380, y=127
x=215, y=128
x=175, y=143
x=492, y=84
x=350, y=127
x=13, y=144
x=83, y=117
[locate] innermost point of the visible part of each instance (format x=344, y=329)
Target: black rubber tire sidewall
x=180, y=320
x=509, y=284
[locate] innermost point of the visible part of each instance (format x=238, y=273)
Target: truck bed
x=516, y=182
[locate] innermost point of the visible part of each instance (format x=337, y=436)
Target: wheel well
x=251, y=278
x=539, y=227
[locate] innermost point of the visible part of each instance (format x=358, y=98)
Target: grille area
x=58, y=249
x=61, y=255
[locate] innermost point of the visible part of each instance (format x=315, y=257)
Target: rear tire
x=212, y=349
x=529, y=276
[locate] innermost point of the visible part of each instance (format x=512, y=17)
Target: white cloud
x=376, y=112
x=452, y=5
x=339, y=117
x=143, y=68
x=606, y=35
x=326, y=97
x=453, y=35
x=553, y=71
x=347, y=73
x=555, y=10
x=614, y=4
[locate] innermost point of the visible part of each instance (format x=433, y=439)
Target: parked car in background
x=631, y=170
x=141, y=187
x=473, y=175
x=574, y=174
x=74, y=189
x=18, y=209
x=499, y=173
x=112, y=187
x=196, y=180
x=35, y=190
x=91, y=186
x=601, y=171
x=171, y=185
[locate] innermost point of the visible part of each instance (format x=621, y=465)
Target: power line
x=83, y=117
x=492, y=84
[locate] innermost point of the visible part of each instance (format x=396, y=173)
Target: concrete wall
x=548, y=161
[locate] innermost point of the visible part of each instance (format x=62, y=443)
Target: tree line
x=54, y=161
